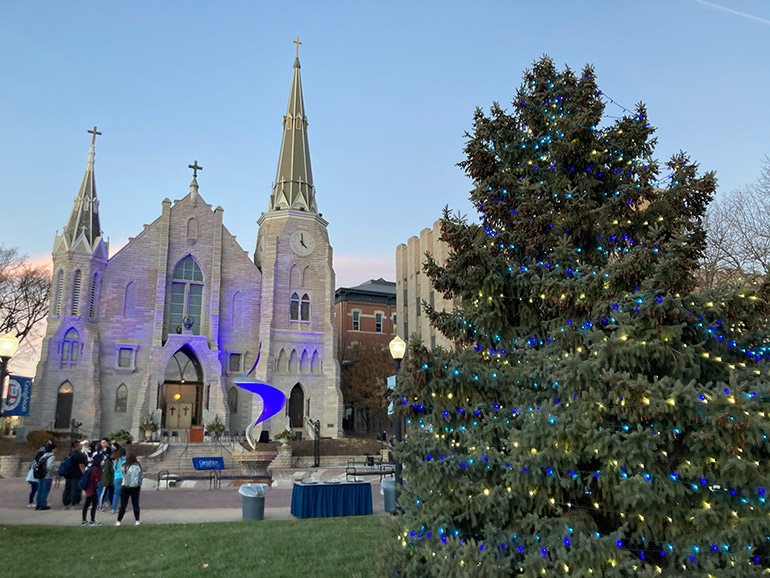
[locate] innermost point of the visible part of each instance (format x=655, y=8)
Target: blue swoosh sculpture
x=273, y=398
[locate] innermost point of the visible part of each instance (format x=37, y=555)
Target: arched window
x=307, y=278
x=281, y=368
x=305, y=308
x=293, y=362
x=184, y=368
x=121, y=399
x=70, y=349
x=129, y=303
x=59, y=292
x=192, y=228
x=294, y=276
x=288, y=122
x=64, y=406
x=76, y=293
x=186, y=296
x=92, y=296
x=232, y=399
x=315, y=363
x=235, y=321
x=294, y=307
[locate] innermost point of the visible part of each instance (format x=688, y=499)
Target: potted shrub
x=148, y=426
x=216, y=427
x=285, y=436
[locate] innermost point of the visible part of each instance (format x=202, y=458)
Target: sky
x=390, y=90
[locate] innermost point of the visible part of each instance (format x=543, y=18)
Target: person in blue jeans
x=44, y=485
x=117, y=480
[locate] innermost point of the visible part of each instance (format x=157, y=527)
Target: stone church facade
x=167, y=324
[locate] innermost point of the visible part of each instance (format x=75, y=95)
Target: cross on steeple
x=297, y=42
x=96, y=132
x=195, y=169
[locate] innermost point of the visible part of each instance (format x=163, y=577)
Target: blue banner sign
x=17, y=397
x=209, y=463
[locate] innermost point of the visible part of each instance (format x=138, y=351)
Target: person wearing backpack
x=71, y=495
x=32, y=480
x=132, y=485
x=89, y=484
x=44, y=483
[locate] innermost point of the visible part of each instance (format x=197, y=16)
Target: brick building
x=364, y=315
x=165, y=325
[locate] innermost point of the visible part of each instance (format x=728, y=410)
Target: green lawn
x=325, y=547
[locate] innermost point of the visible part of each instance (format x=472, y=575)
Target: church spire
x=293, y=188
x=84, y=219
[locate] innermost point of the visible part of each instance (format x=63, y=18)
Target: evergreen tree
x=599, y=416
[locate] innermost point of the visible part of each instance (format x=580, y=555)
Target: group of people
x=103, y=471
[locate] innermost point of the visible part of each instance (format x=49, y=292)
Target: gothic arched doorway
x=64, y=406
x=296, y=406
x=182, y=395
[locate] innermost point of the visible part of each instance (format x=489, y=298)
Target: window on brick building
x=305, y=308
x=186, y=296
x=378, y=322
x=356, y=321
x=294, y=307
x=121, y=399
x=70, y=350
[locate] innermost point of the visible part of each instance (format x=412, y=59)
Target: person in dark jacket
x=92, y=497
x=71, y=495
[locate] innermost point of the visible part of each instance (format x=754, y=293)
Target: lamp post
x=397, y=348
x=9, y=343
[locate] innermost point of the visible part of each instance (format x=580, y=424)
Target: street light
x=397, y=348
x=9, y=343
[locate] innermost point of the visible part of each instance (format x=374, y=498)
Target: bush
x=38, y=437
x=121, y=436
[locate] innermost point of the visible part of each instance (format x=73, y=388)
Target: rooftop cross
x=94, y=132
x=297, y=42
x=195, y=169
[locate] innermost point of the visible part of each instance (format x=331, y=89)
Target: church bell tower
x=295, y=257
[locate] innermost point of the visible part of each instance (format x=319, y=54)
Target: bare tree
x=738, y=229
x=363, y=380
x=24, y=294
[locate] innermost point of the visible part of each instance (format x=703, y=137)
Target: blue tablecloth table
x=329, y=500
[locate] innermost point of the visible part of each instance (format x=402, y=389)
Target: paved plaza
x=165, y=506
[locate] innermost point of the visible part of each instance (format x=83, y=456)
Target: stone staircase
x=177, y=457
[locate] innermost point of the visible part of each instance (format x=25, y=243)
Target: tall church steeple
x=84, y=220
x=293, y=187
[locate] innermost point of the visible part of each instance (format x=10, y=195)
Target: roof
x=373, y=291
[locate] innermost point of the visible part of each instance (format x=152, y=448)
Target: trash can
x=388, y=487
x=253, y=501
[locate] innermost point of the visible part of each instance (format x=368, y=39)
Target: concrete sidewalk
x=165, y=506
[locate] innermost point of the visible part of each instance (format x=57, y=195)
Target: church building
x=167, y=324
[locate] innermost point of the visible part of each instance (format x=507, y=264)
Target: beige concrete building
x=413, y=287
x=166, y=325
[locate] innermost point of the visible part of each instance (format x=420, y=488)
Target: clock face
x=302, y=243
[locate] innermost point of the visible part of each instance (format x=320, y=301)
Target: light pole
x=397, y=348
x=9, y=343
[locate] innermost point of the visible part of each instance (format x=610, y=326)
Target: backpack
x=85, y=479
x=66, y=469
x=40, y=467
x=132, y=478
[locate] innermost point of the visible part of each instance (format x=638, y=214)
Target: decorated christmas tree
x=600, y=415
